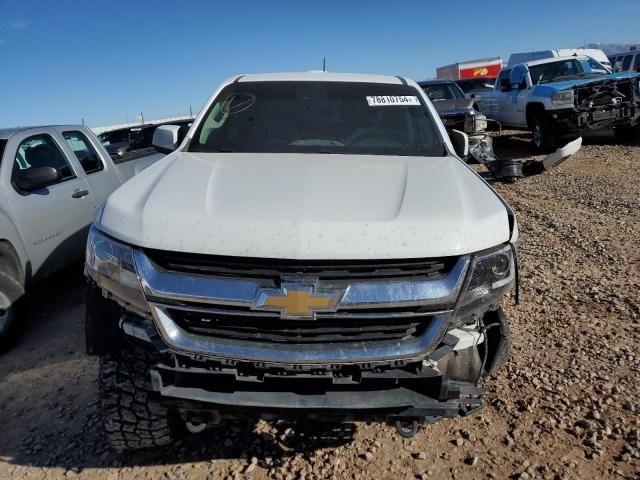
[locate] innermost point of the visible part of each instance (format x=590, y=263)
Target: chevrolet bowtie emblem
x=298, y=301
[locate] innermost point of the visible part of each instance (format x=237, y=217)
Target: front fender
x=13, y=245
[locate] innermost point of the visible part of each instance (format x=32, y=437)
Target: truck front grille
x=334, y=329
x=377, y=311
x=607, y=93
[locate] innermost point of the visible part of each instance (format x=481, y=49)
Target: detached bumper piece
x=404, y=394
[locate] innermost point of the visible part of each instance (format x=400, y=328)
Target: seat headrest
x=41, y=156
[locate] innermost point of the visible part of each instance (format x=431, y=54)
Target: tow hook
x=195, y=426
x=407, y=428
x=195, y=422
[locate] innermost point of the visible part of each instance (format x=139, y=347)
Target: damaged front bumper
x=442, y=385
x=601, y=105
x=593, y=119
x=408, y=340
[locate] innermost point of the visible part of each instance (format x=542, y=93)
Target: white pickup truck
x=564, y=97
x=314, y=248
x=52, y=181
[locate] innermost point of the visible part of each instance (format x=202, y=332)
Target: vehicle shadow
x=87, y=446
x=514, y=145
x=49, y=402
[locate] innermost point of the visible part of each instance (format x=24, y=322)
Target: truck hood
x=453, y=106
x=307, y=206
x=567, y=84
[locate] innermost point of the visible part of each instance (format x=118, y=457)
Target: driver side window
x=41, y=151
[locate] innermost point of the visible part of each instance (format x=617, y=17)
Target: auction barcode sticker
x=384, y=100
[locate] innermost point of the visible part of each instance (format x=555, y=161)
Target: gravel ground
x=565, y=405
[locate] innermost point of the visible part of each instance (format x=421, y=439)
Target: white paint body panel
x=307, y=206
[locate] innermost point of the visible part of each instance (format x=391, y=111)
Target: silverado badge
x=298, y=301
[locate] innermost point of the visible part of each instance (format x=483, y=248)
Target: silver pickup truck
x=52, y=181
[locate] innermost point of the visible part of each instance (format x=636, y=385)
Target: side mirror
x=166, y=138
x=460, y=142
x=36, y=177
x=505, y=85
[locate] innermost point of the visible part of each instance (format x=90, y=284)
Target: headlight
x=490, y=276
x=562, y=98
x=110, y=264
x=481, y=122
x=475, y=122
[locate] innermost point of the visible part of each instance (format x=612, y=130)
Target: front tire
x=544, y=138
x=133, y=419
x=10, y=311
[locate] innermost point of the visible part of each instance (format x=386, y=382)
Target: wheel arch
x=533, y=109
x=13, y=256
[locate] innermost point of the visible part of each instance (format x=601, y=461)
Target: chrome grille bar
x=433, y=293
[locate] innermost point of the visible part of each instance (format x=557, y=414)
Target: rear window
x=476, y=84
x=319, y=117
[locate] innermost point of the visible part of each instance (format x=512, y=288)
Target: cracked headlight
x=111, y=265
x=562, y=98
x=490, y=276
x=475, y=122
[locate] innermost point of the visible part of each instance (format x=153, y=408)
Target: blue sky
x=61, y=61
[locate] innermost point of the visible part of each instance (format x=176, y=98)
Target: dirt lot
x=565, y=406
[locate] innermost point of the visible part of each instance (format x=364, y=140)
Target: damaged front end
x=462, y=115
x=408, y=341
x=603, y=104
x=401, y=392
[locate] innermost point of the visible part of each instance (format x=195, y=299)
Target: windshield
x=566, y=70
x=318, y=117
x=476, y=84
x=442, y=91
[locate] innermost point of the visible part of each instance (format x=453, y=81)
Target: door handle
x=80, y=193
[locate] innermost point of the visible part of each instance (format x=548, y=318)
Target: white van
x=524, y=57
x=626, y=61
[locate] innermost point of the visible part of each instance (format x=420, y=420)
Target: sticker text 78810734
x=387, y=100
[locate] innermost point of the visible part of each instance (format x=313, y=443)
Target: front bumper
x=442, y=385
x=314, y=395
x=576, y=121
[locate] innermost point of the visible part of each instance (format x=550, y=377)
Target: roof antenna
x=324, y=64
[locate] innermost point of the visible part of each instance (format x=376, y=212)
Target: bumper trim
x=182, y=341
x=459, y=399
